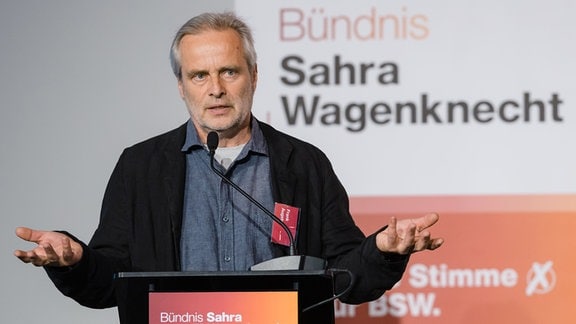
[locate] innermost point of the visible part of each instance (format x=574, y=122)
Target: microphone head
x=212, y=142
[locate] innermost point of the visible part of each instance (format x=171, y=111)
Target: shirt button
x=225, y=219
x=227, y=259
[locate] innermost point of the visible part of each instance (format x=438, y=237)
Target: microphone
x=290, y=262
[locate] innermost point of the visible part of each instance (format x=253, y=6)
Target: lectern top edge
x=181, y=274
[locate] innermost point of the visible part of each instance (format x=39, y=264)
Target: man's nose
x=217, y=89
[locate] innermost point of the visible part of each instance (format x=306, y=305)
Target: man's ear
x=255, y=76
x=181, y=88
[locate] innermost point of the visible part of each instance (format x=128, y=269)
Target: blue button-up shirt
x=221, y=229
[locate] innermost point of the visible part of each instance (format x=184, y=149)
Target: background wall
x=79, y=81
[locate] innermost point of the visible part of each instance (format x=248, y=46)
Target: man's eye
x=229, y=73
x=199, y=76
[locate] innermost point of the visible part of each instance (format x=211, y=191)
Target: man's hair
x=217, y=22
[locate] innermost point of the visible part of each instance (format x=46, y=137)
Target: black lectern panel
x=134, y=291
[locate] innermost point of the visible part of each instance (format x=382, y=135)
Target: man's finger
x=22, y=255
x=392, y=233
x=67, y=252
x=28, y=234
x=435, y=243
x=51, y=255
x=427, y=220
x=28, y=257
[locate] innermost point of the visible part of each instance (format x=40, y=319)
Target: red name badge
x=289, y=216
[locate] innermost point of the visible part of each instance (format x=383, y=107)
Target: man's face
x=217, y=85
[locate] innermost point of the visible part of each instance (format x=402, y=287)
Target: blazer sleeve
x=346, y=247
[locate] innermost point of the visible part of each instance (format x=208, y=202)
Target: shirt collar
x=256, y=144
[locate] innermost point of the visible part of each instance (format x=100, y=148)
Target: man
x=165, y=210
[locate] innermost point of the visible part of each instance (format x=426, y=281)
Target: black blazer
x=140, y=223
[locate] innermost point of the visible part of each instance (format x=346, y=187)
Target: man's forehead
x=216, y=52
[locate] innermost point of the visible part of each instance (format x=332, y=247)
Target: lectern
x=276, y=297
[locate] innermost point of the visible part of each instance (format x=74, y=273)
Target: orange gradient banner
x=279, y=307
x=505, y=260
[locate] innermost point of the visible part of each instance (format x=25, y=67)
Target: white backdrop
x=447, y=50
x=511, y=62
x=79, y=81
